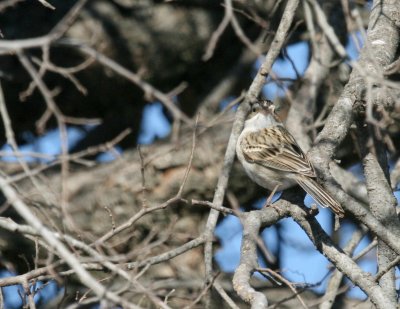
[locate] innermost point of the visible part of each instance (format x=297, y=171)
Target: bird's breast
x=264, y=176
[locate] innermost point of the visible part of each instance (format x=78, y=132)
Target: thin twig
x=213, y=206
x=388, y=267
x=62, y=250
x=285, y=281
x=225, y=295
x=149, y=90
x=145, y=210
x=142, y=170
x=203, y=292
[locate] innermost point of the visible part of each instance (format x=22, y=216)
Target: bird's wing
x=276, y=148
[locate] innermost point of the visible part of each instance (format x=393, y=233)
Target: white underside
x=263, y=176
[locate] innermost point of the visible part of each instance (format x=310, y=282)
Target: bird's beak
x=254, y=105
x=271, y=108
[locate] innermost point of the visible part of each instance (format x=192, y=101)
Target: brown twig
x=62, y=250
x=142, y=171
x=149, y=90
x=222, y=209
x=203, y=292
x=285, y=281
x=225, y=295
x=146, y=210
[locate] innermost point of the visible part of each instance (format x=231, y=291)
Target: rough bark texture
x=129, y=231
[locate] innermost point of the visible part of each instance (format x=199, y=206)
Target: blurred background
x=168, y=45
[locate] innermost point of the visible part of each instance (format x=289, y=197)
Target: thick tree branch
x=248, y=262
x=382, y=48
x=342, y=262
x=382, y=201
x=337, y=276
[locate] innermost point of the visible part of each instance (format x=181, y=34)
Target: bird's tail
x=320, y=195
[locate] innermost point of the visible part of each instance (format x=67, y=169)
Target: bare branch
x=62, y=250
x=248, y=263
x=253, y=92
x=149, y=90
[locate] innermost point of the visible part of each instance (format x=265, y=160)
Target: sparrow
x=272, y=158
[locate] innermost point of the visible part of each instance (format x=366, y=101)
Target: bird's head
x=262, y=114
x=265, y=107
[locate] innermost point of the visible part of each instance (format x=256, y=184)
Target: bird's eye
x=254, y=109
